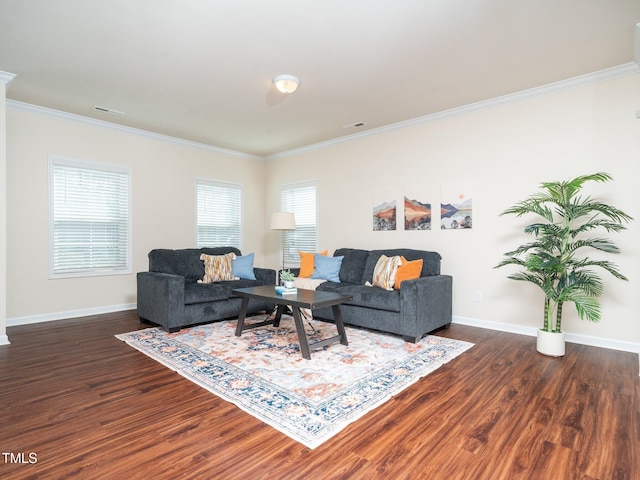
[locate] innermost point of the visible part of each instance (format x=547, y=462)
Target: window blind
x=218, y=216
x=89, y=218
x=300, y=198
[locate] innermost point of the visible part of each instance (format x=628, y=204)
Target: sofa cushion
x=384, y=274
x=204, y=292
x=217, y=267
x=331, y=286
x=242, y=283
x=243, y=267
x=214, y=292
x=409, y=270
x=371, y=297
x=307, y=263
x=220, y=250
x=326, y=268
x=184, y=262
x=353, y=264
x=430, y=264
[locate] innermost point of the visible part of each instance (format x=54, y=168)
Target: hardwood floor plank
x=90, y=406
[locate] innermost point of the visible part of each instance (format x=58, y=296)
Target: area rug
x=263, y=373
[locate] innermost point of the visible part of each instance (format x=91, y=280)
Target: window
x=218, y=214
x=89, y=218
x=300, y=198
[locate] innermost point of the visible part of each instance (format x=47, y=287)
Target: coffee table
x=302, y=298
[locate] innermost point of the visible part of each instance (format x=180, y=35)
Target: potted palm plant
x=553, y=260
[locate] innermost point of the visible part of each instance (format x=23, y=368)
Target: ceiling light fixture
x=286, y=83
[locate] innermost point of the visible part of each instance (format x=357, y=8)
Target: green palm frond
x=584, y=281
x=610, y=267
x=588, y=308
x=524, y=209
x=602, y=244
x=526, y=248
x=543, y=229
x=595, y=223
x=528, y=277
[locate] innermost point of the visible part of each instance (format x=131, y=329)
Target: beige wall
x=3, y=215
x=163, y=198
x=503, y=152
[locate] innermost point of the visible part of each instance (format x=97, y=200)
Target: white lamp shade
x=283, y=221
x=286, y=83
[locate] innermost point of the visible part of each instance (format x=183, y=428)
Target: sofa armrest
x=266, y=276
x=161, y=299
x=426, y=304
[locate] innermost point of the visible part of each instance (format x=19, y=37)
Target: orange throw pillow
x=307, y=263
x=408, y=271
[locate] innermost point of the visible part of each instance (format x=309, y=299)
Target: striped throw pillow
x=384, y=275
x=217, y=268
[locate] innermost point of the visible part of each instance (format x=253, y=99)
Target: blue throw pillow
x=327, y=268
x=243, y=267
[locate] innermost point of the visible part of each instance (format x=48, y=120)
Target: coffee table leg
x=302, y=336
x=279, y=311
x=337, y=317
x=242, y=315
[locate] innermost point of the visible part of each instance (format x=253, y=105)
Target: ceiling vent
x=355, y=125
x=107, y=110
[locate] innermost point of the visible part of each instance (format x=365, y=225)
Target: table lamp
x=283, y=221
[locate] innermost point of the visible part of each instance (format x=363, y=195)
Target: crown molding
x=571, y=83
x=6, y=77
x=27, y=107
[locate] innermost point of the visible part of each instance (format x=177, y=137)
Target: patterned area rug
x=264, y=374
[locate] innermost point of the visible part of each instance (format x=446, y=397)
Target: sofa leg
x=173, y=329
x=406, y=338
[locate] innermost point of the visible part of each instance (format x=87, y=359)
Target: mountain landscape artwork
x=417, y=215
x=456, y=208
x=384, y=216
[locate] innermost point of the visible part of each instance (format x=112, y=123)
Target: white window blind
x=89, y=218
x=300, y=198
x=218, y=216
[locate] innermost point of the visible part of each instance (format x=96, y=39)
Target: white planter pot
x=551, y=343
x=288, y=284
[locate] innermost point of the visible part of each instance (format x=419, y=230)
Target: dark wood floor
x=88, y=406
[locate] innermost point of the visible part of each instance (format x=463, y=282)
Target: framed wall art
x=456, y=207
x=417, y=208
x=384, y=211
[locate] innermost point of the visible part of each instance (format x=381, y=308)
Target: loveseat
x=417, y=307
x=172, y=293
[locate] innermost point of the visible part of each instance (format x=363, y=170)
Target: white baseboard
x=502, y=327
x=472, y=322
x=569, y=337
x=48, y=317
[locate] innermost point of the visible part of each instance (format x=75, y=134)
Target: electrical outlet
x=477, y=296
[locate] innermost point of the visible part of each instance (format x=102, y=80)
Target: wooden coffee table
x=301, y=299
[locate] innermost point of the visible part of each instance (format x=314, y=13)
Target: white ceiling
x=201, y=70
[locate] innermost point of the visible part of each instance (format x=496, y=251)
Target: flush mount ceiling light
x=286, y=83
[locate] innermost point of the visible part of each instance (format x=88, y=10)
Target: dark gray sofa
x=169, y=294
x=420, y=306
